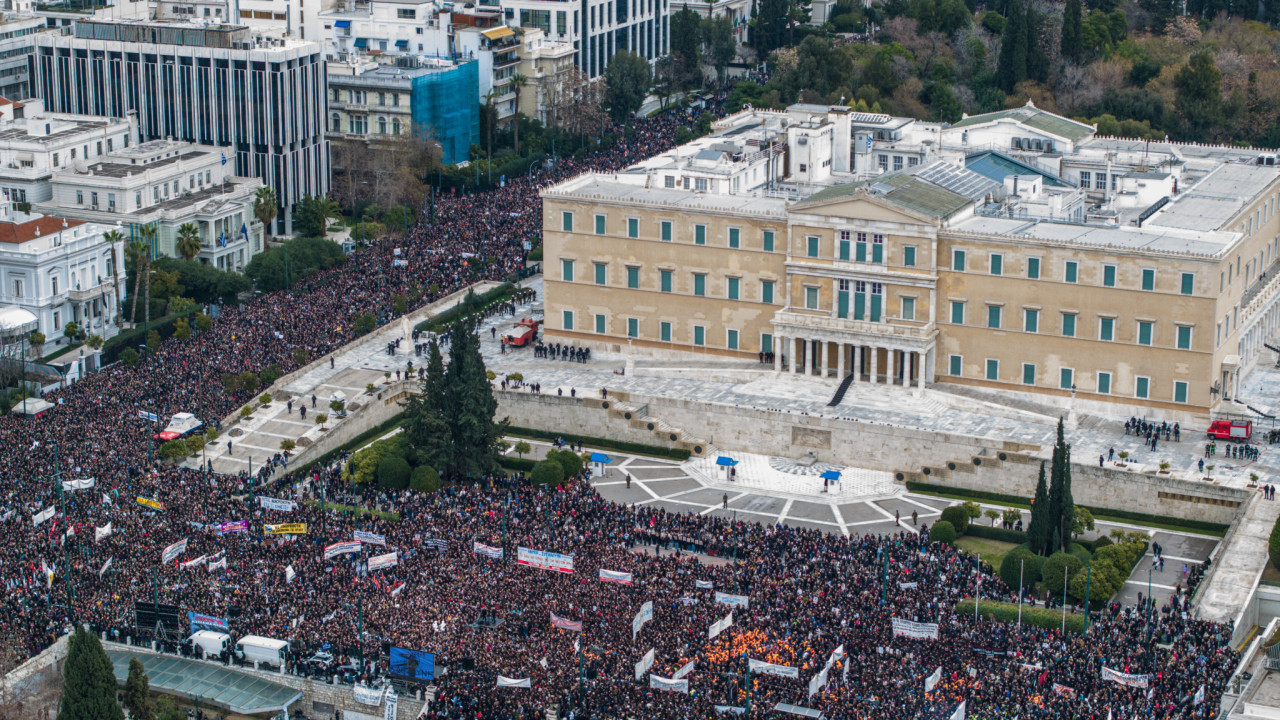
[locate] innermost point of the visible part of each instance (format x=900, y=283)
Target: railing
x=1263, y=282
x=896, y=328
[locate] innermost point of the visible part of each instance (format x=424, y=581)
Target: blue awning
x=831, y=475
x=402, y=43
x=343, y=24
x=726, y=461
x=361, y=42
x=600, y=458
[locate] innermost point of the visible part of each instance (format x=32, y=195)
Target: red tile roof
x=23, y=232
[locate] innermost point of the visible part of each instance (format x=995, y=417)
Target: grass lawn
x=992, y=552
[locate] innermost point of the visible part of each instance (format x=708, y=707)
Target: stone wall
x=941, y=459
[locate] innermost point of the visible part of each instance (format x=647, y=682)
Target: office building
x=261, y=98
x=545, y=65
x=597, y=29
x=1015, y=252
x=34, y=144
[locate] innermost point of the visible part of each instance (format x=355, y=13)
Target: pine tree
x=90, y=690
x=1037, y=59
x=470, y=407
x=1013, y=48
x=1039, y=530
x=425, y=425
x=1072, y=31
x=137, y=692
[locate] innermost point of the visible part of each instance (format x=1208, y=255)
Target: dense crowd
x=809, y=592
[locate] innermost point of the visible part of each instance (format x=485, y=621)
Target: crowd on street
x=89, y=554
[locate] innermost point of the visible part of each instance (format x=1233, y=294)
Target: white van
x=252, y=648
x=212, y=642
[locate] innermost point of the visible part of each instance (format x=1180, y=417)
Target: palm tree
x=112, y=237
x=519, y=80
x=188, y=245
x=265, y=207
x=329, y=210
x=147, y=234
x=490, y=117
x=141, y=254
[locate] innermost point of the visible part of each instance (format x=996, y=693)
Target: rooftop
x=1033, y=117
x=1121, y=238
x=239, y=692
x=18, y=233
x=607, y=186
x=1216, y=198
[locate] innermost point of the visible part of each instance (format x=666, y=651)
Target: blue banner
x=412, y=664
x=206, y=622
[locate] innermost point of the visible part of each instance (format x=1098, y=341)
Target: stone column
x=778, y=344
x=791, y=362
x=824, y=348
x=893, y=365
x=875, y=354
x=840, y=361
x=919, y=373
x=857, y=363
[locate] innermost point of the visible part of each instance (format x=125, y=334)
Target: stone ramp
x=1238, y=564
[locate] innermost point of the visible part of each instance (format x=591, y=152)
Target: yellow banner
x=156, y=504
x=285, y=529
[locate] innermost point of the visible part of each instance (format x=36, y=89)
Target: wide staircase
x=619, y=405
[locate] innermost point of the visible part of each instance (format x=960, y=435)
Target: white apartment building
x=166, y=184
x=34, y=144
x=403, y=27
x=497, y=50
x=15, y=46
x=546, y=64
x=598, y=28
x=61, y=271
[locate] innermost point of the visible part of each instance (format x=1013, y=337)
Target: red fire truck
x=524, y=333
x=1232, y=430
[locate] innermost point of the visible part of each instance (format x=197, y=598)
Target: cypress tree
x=425, y=414
x=90, y=689
x=1037, y=59
x=1072, y=31
x=1066, y=509
x=1013, y=48
x=1038, y=530
x=137, y=692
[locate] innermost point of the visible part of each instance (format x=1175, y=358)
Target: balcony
x=907, y=332
x=96, y=290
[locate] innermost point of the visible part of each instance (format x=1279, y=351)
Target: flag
x=106, y=499
x=959, y=713
x=222, y=238
x=224, y=158
x=1199, y=695
x=102, y=532
x=244, y=232
x=565, y=624
x=289, y=575
x=399, y=586
x=933, y=680
x=615, y=576
x=105, y=565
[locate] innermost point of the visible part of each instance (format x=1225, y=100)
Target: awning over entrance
x=215, y=684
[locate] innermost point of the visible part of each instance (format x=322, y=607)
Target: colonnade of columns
x=872, y=363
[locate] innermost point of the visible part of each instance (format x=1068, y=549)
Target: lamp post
x=66, y=558
x=359, y=608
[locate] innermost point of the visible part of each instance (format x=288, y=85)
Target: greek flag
x=224, y=158
x=244, y=232
x=222, y=238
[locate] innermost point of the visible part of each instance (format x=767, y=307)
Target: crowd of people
x=98, y=553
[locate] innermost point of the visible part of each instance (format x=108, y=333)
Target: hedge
x=517, y=464
x=1273, y=543
x=341, y=508
x=1017, y=537
x=356, y=442
x=1035, y=616
x=463, y=309
x=135, y=337
x=603, y=444
x=1104, y=514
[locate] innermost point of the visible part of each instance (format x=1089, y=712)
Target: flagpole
x=1021, y=571
x=1064, y=600
x=66, y=559
x=1088, y=575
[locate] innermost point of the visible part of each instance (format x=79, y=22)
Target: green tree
x=283, y=265
x=717, y=35
x=311, y=215
x=1013, y=48
x=129, y=357
x=182, y=329
x=958, y=517
x=1022, y=564
x=166, y=709
x=1040, y=529
x=686, y=44
x=393, y=473
x=425, y=425
x=1198, y=95
x=137, y=692
x=265, y=207
x=470, y=408
x=425, y=479
x=546, y=473
x=627, y=80
x=90, y=689
x=769, y=25
x=113, y=238
x=569, y=460
x=522, y=448
x=1063, y=513
x=71, y=330
x=1072, y=31
x=518, y=83
x=1051, y=573
x=188, y=245
x=943, y=532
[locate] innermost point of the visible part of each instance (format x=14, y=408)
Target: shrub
x=129, y=357
x=265, y=398
x=569, y=461
x=270, y=374
x=301, y=357
x=249, y=381
x=393, y=473
x=1034, y=616
x=363, y=467
x=943, y=532
x=1273, y=543
x=195, y=444
x=1012, y=567
x=246, y=411
x=518, y=464
x=547, y=473
x=994, y=533
x=1080, y=552
x=958, y=516
x=425, y=479
x=1051, y=572
x=322, y=419
x=1099, y=581
x=173, y=450
x=287, y=444
x=1101, y=542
